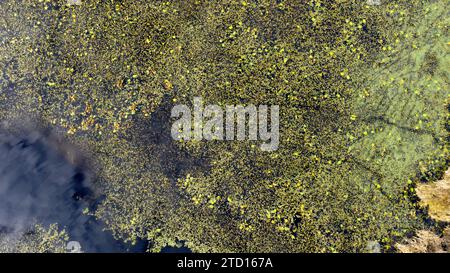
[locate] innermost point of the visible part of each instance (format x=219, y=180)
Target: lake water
x=38, y=184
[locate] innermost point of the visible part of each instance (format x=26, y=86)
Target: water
x=41, y=181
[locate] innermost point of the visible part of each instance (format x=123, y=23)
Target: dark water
x=169, y=249
x=38, y=184
x=45, y=180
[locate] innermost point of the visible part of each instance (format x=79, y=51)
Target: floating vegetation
x=363, y=95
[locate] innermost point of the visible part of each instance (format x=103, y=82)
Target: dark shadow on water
x=39, y=183
x=156, y=132
x=182, y=249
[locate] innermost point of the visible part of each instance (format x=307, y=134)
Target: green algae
x=362, y=89
x=40, y=240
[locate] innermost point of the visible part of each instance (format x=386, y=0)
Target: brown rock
x=437, y=197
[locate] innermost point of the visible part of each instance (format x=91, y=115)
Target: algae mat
x=363, y=96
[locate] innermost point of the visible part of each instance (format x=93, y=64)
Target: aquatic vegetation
x=363, y=95
x=37, y=240
x=45, y=180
